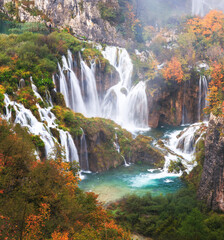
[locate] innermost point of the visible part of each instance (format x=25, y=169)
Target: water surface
x=134, y=179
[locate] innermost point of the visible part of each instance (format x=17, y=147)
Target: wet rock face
x=172, y=104
x=211, y=187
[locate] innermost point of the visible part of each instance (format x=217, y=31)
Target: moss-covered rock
x=39, y=144
x=143, y=151
x=107, y=143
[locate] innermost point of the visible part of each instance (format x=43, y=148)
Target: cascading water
x=84, y=161
x=183, y=143
x=25, y=118
x=122, y=103
x=90, y=90
x=69, y=147
x=201, y=7
x=70, y=87
x=202, y=96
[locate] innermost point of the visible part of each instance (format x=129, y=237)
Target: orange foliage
x=4, y=69
x=64, y=171
x=212, y=23
x=56, y=235
x=216, y=88
x=34, y=223
x=173, y=70
x=132, y=17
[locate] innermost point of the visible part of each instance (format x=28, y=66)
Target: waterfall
x=25, y=118
x=48, y=98
x=69, y=147
x=84, y=161
x=121, y=61
x=201, y=7
x=182, y=145
x=63, y=85
x=125, y=104
x=34, y=88
x=202, y=96
x=91, y=95
x=116, y=144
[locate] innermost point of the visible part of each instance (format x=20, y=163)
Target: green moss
x=55, y=133
x=81, y=6
x=176, y=166
x=11, y=8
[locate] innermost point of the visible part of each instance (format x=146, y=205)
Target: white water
x=26, y=119
x=70, y=149
x=202, y=7
x=84, y=161
x=123, y=103
x=202, y=96
x=183, y=144
x=90, y=90
x=42, y=128
x=182, y=147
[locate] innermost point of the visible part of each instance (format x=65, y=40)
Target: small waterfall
x=22, y=83
x=84, y=161
x=116, y=144
x=137, y=109
x=125, y=162
x=120, y=59
x=34, y=88
x=69, y=147
x=48, y=98
x=202, y=96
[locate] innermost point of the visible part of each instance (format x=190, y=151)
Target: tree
x=193, y=227
x=173, y=70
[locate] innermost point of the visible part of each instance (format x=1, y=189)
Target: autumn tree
x=173, y=70
x=216, y=89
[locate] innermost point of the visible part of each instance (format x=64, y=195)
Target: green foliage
x=110, y=12
x=193, y=227
x=37, y=141
x=174, y=216
x=10, y=7
x=34, y=27
x=1, y=101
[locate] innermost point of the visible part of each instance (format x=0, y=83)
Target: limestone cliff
x=171, y=103
x=211, y=187
x=83, y=18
